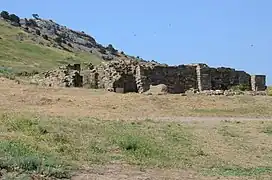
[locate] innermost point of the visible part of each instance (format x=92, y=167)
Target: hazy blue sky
x=216, y=32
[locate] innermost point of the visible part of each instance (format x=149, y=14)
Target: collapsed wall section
x=64, y=76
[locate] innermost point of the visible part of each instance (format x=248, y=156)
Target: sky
x=233, y=33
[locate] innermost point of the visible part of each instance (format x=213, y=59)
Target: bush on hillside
x=111, y=49
x=62, y=35
x=58, y=40
x=26, y=29
x=31, y=22
x=38, y=32
x=102, y=51
x=14, y=18
x=4, y=14
x=45, y=37
x=36, y=16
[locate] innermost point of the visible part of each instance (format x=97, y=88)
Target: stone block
x=119, y=90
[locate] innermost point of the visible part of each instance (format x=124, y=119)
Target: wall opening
x=130, y=84
x=125, y=84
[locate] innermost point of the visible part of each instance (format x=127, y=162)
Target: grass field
x=27, y=55
x=58, y=146
x=64, y=132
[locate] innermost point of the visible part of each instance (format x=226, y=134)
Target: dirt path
x=209, y=119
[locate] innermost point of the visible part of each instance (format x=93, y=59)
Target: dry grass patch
x=76, y=102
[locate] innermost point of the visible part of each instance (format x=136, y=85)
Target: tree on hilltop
x=14, y=18
x=36, y=16
x=4, y=14
x=111, y=49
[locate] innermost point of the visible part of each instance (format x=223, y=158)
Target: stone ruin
x=64, y=76
x=124, y=76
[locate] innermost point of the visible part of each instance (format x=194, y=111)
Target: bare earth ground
x=205, y=112
x=105, y=105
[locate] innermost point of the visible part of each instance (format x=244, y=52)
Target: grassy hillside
x=27, y=55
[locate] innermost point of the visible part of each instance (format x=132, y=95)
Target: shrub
x=102, y=50
x=241, y=87
x=63, y=35
x=111, y=49
x=38, y=32
x=31, y=22
x=36, y=16
x=269, y=90
x=14, y=18
x=58, y=40
x=26, y=28
x=45, y=36
x=5, y=14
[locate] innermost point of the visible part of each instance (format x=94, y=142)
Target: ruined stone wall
x=131, y=76
x=225, y=78
x=135, y=77
x=258, y=82
x=177, y=78
x=64, y=76
x=115, y=75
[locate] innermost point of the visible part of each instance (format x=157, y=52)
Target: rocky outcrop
x=59, y=36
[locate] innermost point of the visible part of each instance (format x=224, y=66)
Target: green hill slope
x=19, y=53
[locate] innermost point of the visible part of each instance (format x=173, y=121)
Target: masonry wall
x=225, y=78
x=64, y=76
x=258, y=82
x=132, y=77
x=177, y=78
